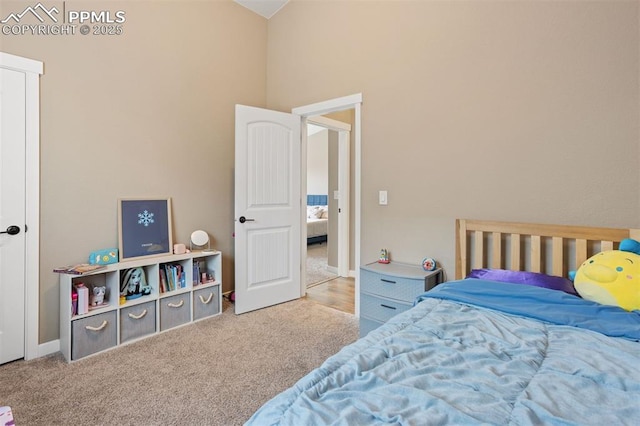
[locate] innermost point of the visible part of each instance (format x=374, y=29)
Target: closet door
x=12, y=214
x=19, y=206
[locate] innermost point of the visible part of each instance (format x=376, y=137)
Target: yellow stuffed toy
x=612, y=277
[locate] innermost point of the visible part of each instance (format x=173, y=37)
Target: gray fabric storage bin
x=206, y=302
x=93, y=334
x=175, y=311
x=137, y=321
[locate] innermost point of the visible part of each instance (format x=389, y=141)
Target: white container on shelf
x=83, y=298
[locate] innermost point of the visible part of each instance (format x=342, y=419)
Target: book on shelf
x=196, y=273
x=163, y=281
x=201, y=275
x=172, y=277
x=78, y=269
x=169, y=275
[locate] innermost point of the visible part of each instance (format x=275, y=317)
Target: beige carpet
x=317, y=265
x=217, y=371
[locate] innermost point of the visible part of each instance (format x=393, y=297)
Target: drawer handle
x=138, y=316
x=206, y=302
x=104, y=324
x=388, y=307
x=176, y=305
x=387, y=281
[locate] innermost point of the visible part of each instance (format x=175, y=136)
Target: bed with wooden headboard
x=551, y=249
x=479, y=351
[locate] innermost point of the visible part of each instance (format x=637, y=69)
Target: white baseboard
x=334, y=270
x=48, y=348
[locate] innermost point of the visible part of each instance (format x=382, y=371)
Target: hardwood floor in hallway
x=338, y=293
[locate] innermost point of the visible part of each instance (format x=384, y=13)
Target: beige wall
x=317, y=160
x=506, y=110
x=519, y=110
x=147, y=113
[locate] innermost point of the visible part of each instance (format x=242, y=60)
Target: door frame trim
x=333, y=105
x=32, y=69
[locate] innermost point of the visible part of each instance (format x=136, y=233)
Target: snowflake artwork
x=145, y=218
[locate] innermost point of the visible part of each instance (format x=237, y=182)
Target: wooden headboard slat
x=461, y=249
x=479, y=249
x=536, y=253
x=515, y=252
x=496, y=250
x=570, y=245
x=606, y=245
x=581, y=251
x=558, y=257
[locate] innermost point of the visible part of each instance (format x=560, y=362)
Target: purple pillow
x=527, y=278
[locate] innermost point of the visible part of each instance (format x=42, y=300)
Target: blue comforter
x=478, y=352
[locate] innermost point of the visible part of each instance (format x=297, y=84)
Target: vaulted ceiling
x=266, y=8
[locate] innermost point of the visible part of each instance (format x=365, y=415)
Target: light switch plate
x=382, y=198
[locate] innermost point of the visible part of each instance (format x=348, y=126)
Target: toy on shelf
x=133, y=283
x=104, y=256
x=97, y=297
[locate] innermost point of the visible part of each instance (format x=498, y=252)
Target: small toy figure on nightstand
x=384, y=256
x=429, y=264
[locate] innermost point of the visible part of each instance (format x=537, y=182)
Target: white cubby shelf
x=117, y=323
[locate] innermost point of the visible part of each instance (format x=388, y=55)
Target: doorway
x=311, y=112
x=255, y=128
x=328, y=199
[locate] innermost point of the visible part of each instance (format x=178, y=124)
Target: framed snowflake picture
x=144, y=227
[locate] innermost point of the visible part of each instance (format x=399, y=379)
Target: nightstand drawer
x=175, y=311
x=137, y=321
x=93, y=334
x=381, y=309
x=399, y=288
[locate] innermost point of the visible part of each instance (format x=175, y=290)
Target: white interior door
x=267, y=208
x=12, y=214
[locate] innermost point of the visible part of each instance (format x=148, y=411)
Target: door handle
x=244, y=219
x=11, y=230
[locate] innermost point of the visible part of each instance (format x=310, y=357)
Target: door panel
x=12, y=212
x=265, y=247
x=267, y=208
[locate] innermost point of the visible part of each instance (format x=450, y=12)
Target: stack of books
x=172, y=277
